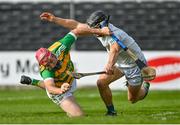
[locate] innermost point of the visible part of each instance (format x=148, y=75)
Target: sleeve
x=68, y=40
x=47, y=74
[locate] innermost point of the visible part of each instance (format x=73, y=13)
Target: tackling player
x=119, y=62
x=54, y=63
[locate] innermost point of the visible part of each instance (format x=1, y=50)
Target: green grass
x=33, y=106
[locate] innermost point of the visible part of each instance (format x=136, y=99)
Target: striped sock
x=146, y=86
x=35, y=82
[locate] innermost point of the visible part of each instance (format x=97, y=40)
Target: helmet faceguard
x=97, y=18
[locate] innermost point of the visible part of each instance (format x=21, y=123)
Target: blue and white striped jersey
x=124, y=60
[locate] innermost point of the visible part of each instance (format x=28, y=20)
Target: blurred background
x=154, y=24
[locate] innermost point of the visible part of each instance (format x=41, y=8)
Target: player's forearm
x=67, y=23
x=54, y=90
x=113, y=55
x=85, y=30
x=97, y=32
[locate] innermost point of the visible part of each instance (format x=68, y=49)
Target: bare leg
x=70, y=106
x=136, y=93
x=103, y=85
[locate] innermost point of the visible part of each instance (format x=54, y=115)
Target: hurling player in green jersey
x=54, y=63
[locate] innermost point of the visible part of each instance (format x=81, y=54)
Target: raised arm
x=80, y=29
x=67, y=23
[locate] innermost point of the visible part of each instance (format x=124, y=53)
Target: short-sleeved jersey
x=61, y=49
x=124, y=60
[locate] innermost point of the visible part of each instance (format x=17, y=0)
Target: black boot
x=25, y=80
x=111, y=113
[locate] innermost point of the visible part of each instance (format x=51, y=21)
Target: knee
x=132, y=100
x=77, y=114
x=101, y=84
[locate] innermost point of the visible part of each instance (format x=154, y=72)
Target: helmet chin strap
x=104, y=23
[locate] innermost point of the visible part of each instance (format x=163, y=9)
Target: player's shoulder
x=45, y=73
x=114, y=28
x=54, y=45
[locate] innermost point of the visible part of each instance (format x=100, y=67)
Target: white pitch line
x=21, y=98
x=164, y=115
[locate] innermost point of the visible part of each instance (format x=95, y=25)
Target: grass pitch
x=34, y=107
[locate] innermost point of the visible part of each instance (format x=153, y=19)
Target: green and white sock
x=35, y=82
x=146, y=86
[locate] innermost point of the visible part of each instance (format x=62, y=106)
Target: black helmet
x=96, y=17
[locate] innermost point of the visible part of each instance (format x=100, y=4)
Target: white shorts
x=127, y=65
x=59, y=98
x=133, y=75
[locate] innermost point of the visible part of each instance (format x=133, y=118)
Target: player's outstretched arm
x=67, y=23
x=80, y=29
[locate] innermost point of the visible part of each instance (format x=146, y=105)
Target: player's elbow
x=76, y=32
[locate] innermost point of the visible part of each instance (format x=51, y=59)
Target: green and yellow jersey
x=61, y=49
